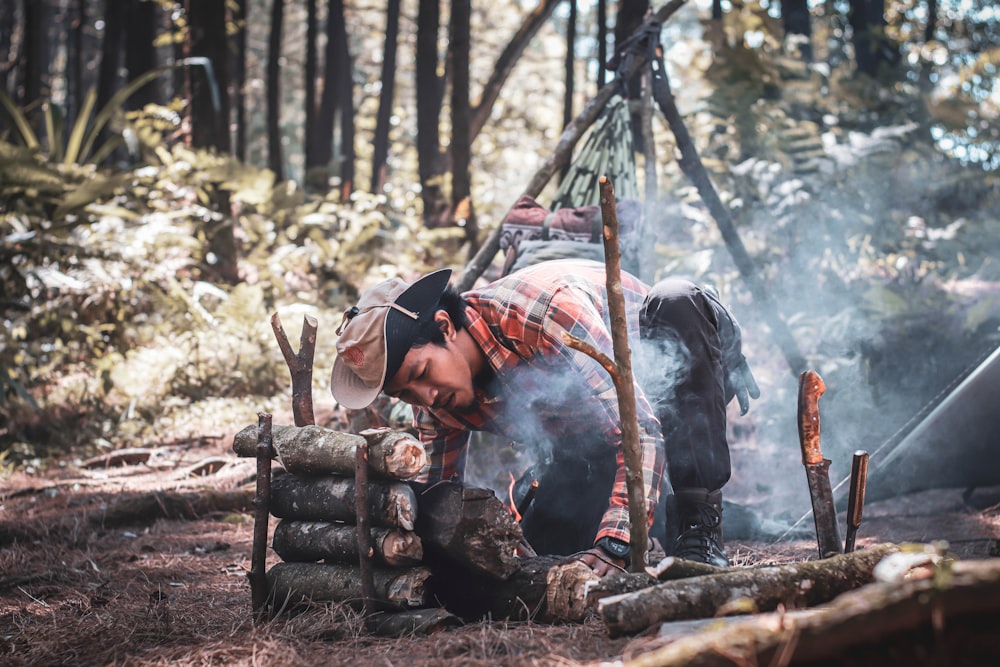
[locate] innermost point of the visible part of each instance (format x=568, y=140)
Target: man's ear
x=445, y=324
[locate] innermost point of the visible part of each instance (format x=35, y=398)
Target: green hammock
x=607, y=152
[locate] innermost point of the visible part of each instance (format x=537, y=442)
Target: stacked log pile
x=313, y=495
x=457, y=551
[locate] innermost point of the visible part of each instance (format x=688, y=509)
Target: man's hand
x=601, y=563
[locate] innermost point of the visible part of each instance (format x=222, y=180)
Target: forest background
x=156, y=211
x=172, y=174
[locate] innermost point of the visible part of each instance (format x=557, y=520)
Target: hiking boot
x=700, y=539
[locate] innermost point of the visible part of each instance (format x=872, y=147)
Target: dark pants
x=679, y=363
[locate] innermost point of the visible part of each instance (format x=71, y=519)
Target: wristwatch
x=614, y=547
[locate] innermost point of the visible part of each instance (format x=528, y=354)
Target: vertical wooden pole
x=624, y=385
x=258, y=560
x=365, y=550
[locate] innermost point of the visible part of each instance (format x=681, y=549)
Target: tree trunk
x=75, y=64
x=111, y=46
x=275, y=157
x=468, y=527
x=310, y=541
x=7, y=56
x=463, y=209
x=631, y=15
x=318, y=160
x=209, y=105
x=331, y=498
x=209, y=117
x=430, y=90
x=383, y=123
x=314, y=450
x=569, y=67
x=602, y=43
x=293, y=583
x=931, y=27
x=347, y=129
x=798, y=28
x=310, y=75
x=800, y=585
x=872, y=48
x=140, y=54
x=239, y=60
x=505, y=64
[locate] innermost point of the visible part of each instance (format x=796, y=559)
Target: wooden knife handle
x=811, y=387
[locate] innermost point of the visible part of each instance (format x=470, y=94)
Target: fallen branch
x=300, y=366
x=873, y=618
x=799, y=585
x=148, y=507
x=314, y=450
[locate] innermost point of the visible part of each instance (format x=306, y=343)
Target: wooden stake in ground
x=258, y=560
x=621, y=374
x=300, y=366
x=800, y=585
x=365, y=550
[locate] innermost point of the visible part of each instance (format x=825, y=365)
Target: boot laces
x=701, y=532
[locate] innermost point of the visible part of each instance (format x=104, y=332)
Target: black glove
x=739, y=379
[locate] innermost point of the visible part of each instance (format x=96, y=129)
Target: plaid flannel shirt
x=518, y=322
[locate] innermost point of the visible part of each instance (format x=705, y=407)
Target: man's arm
x=575, y=313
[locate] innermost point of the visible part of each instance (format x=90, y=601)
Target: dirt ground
x=82, y=584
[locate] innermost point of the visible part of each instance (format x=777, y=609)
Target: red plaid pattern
x=518, y=322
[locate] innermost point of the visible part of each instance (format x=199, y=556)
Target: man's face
x=435, y=376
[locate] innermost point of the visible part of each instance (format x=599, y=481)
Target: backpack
x=572, y=228
x=531, y=233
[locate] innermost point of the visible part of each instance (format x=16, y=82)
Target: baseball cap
x=377, y=333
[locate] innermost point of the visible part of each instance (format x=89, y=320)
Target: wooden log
x=909, y=620
x=672, y=567
x=566, y=589
x=331, y=498
x=311, y=541
x=799, y=585
x=314, y=450
x=145, y=508
x=410, y=623
x=293, y=583
x=470, y=527
x=474, y=596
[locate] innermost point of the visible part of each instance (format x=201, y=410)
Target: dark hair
x=429, y=330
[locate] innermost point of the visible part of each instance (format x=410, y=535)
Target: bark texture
x=800, y=585
x=469, y=527
x=310, y=541
x=314, y=450
x=331, y=498
x=293, y=583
